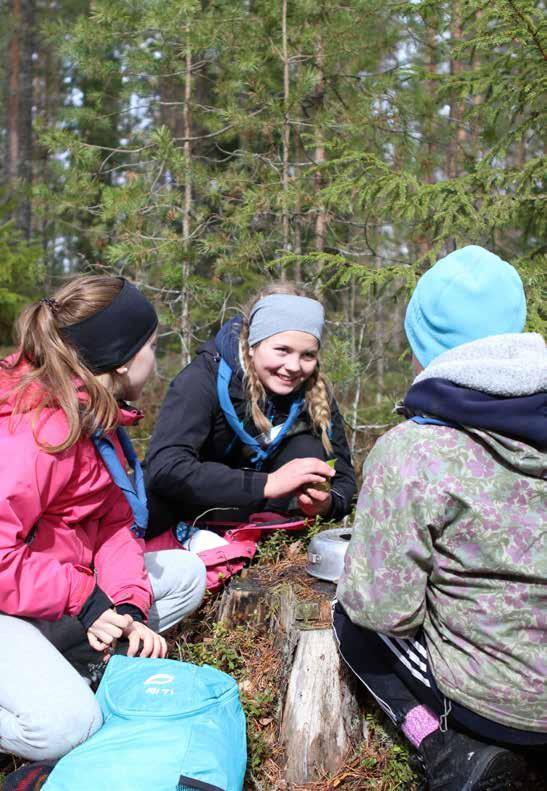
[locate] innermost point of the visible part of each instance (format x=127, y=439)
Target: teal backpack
x=168, y=726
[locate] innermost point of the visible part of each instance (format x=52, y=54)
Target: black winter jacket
x=194, y=461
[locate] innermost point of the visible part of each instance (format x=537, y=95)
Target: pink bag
x=224, y=561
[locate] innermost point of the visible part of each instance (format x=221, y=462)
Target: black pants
x=397, y=673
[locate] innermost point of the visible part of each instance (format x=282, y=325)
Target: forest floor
x=379, y=763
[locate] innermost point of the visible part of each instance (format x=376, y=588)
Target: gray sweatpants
x=46, y=707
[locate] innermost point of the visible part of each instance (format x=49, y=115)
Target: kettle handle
x=313, y=558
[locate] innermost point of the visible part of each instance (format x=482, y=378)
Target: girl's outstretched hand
x=107, y=629
x=295, y=475
x=153, y=644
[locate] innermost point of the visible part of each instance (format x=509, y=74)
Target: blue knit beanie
x=467, y=295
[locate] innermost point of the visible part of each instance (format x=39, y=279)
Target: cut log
x=321, y=718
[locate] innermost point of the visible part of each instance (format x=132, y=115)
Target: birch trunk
x=321, y=217
x=185, y=323
x=285, y=220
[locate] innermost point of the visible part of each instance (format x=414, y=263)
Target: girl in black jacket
x=250, y=423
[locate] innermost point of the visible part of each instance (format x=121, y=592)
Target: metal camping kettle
x=326, y=553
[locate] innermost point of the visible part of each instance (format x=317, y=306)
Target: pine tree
x=20, y=270
x=221, y=144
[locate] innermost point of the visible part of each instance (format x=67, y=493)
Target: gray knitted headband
x=283, y=313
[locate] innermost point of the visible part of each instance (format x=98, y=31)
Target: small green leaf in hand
x=325, y=486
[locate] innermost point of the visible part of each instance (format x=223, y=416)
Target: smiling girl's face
x=283, y=362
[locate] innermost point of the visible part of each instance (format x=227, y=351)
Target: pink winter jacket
x=64, y=524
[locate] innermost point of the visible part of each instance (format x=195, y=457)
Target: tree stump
x=320, y=717
x=244, y=601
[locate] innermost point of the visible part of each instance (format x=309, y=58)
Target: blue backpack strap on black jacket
x=260, y=454
x=424, y=420
x=135, y=495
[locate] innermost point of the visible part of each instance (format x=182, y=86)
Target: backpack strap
x=424, y=420
x=260, y=454
x=135, y=495
x=257, y=528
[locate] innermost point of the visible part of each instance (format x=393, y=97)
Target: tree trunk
x=298, y=197
x=18, y=152
x=378, y=342
x=358, y=329
x=321, y=217
x=457, y=132
x=477, y=101
x=46, y=90
x=185, y=324
x=428, y=164
x=286, y=135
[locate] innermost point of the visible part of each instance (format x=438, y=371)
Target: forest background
x=203, y=148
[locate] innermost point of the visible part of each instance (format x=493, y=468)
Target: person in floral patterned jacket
x=441, y=606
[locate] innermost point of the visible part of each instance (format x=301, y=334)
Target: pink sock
x=419, y=723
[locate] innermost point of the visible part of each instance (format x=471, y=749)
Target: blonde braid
x=254, y=387
x=318, y=398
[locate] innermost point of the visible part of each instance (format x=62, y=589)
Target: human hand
x=313, y=502
x=153, y=645
x=296, y=474
x=106, y=629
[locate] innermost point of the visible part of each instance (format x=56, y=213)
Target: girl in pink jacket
x=73, y=572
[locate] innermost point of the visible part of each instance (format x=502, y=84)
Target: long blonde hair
x=317, y=391
x=56, y=372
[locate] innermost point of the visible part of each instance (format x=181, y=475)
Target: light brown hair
x=47, y=372
x=317, y=392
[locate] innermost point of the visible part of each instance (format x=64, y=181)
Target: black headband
x=115, y=334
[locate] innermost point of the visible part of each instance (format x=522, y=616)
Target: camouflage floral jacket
x=449, y=535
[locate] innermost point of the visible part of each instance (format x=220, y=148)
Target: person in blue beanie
x=441, y=606
x=467, y=295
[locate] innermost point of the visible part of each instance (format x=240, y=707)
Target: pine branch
x=529, y=27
